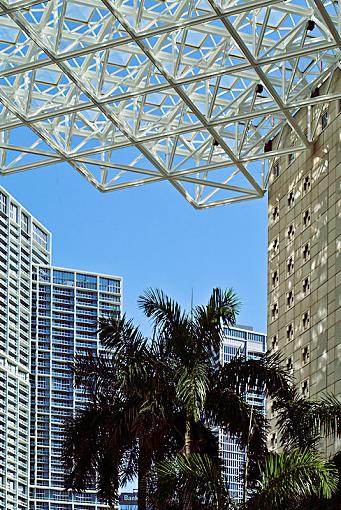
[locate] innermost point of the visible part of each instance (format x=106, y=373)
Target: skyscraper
x=23, y=242
x=65, y=308
x=239, y=341
x=47, y=315
x=304, y=270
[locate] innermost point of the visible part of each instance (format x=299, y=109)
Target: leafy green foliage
x=200, y=473
x=290, y=477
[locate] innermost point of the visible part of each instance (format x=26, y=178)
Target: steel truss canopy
x=194, y=92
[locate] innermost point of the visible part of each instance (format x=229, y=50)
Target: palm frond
x=225, y=305
x=238, y=418
x=264, y=374
x=119, y=334
x=171, y=324
x=191, y=388
x=221, y=310
x=293, y=421
x=325, y=416
x=290, y=477
x=202, y=475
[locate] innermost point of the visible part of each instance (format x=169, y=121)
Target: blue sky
x=152, y=237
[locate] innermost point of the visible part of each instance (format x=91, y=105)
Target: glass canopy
x=193, y=92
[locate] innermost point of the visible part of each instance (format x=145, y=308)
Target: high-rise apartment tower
x=239, y=341
x=47, y=316
x=23, y=242
x=65, y=308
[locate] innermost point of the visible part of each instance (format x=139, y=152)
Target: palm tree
x=208, y=392
x=152, y=399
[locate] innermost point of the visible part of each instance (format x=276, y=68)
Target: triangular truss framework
x=194, y=92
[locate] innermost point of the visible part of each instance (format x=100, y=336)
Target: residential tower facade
x=47, y=316
x=24, y=241
x=239, y=341
x=65, y=308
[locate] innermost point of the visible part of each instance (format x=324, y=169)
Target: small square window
x=291, y=157
x=306, y=184
x=290, y=265
x=306, y=320
x=290, y=299
x=274, y=311
x=290, y=365
x=306, y=218
x=274, y=279
x=291, y=233
x=290, y=332
x=306, y=285
x=305, y=388
x=275, y=169
x=274, y=343
x=291, y=198
x=306, y=252
x=275, y=246
x=305, y=355
x=324, y=119
x=275, y=213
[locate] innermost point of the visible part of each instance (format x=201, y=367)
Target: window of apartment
x=291, y=198
x=24, y=222
x=86, y=281
x=290, y=299
x=274, y=279
x=63, y=278
x=305, y=388
x=306, y=184
x=290, y=332
x=274, y=343
x=3, y=202
x=44, y=274
x=306, y=252
x=39, y=236
x=290, y=365
x=306, y=285
x=14, y=213
x=325, y=118
x=275, y=169
x=108, y=285
x=275, y=213
x=291, y=233
x=306, y=218
x=290, y=265
x=305, y=355
x=306, y=320
x=274, y=311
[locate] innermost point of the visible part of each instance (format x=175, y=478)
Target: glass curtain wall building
x=239, y=341
x=47, y=315
x=65, y=308
x=23, y=242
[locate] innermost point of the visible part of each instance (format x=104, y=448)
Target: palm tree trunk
x=188, y=500
x=144, y=464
